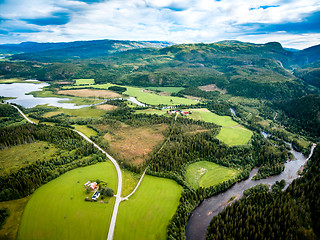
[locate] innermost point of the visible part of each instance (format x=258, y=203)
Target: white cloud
x=173, y=20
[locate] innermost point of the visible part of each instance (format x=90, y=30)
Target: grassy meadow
x=146, y=214
x=87, y=112
x=234, y=136
x=15, y=157
x=205, y=115
x=84, y=81
x=85, y=130
x=60, y=203
x=231, y=132
x=206, y=174
x=166, y=89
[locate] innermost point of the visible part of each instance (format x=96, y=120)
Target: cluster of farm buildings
x=94, y=187
x=178, y=111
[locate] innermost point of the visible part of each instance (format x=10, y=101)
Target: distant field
x=85, y=130
x=146, y=214
x=90, y=93
x=154, y=99
x=87, y=112
x=231, y=132
x=206, y=174
x=11, y=80
x=146, y=97
x=19, y=156
x=106, y=107
x=57, y=210
x=152, y=111
x=208, y=116
x=10, y=229
x=234, y=136
x=84, y=81
x=166, y=89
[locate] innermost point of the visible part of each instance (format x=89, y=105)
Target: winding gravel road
x=118, y=195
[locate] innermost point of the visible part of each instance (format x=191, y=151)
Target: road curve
x=25, y=117
x=135, y=189
x=118, y=195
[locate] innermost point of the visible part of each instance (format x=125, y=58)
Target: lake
x=20, y=90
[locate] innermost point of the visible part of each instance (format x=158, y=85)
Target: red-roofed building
x=93, y=185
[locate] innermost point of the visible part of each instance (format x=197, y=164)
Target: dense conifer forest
x=290, y=214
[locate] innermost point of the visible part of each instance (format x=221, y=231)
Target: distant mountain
x=75, y=50
x=307, y=56
x=261, y=71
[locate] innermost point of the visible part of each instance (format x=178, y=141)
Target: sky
x=293, y=23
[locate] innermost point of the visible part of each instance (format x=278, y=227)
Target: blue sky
x=293, y=23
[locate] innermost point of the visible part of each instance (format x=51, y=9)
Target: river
x=201, y=217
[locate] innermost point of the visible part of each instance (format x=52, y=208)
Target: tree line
x=74, y=152
x=290, y=214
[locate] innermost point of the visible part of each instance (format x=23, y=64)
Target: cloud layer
x=294, y=23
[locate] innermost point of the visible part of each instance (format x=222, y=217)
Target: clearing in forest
x=133, y=144
x=231, y=132
x=60, y=203
x=206, y=174
x=205, y=115
x=234, y=135
x=16, y=157
x=147, y=213
x=86, y=112
x=106, y=107
x=90, y=93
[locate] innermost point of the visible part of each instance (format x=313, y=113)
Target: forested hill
x=302, y=115
x=261, y=71
x=291, y=214
x=74, y=50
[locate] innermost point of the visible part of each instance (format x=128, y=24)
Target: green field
x=85, y=130
x=147, y=213
x=13, y=158
x=11, y=80
x=206, y=174
x=231, y=132
x=208, y=116
x=57, y=210
x=87, y=112
x=145, y=97
x=152, y=111
x=155, y=99
x=234, y=136
x=166, y=89
x=84, y=81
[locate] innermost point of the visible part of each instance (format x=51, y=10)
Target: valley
x=168, y=132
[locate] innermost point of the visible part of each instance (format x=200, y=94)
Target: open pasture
x=208, y=116
x=57, y=210
x=206, y=174
x=234, y=135
x=146, y=214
